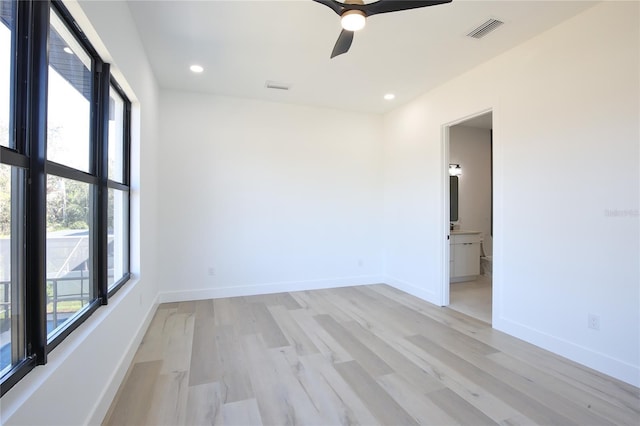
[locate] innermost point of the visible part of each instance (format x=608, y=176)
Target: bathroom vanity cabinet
x=464, y=255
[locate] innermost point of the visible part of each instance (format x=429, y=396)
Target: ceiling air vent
x=485, y=28
x=275, y=85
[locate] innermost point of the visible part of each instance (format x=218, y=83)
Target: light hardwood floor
x=356, y=355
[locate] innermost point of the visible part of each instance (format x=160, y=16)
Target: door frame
x=445, y=132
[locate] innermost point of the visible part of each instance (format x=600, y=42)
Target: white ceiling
x=243, y=43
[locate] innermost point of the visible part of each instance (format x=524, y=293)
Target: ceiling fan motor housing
x=353, y=20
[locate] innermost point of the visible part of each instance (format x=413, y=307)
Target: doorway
x=469, y=154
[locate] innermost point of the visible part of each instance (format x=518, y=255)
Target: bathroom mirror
x=453, y=198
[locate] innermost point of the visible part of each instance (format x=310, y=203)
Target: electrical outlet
x=593, y=321
x=211, y=271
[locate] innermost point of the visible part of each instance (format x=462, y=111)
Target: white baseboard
x=267, y=288
x=413, y=290
x=603, y=363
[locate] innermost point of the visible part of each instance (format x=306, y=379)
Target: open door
x=468, y=213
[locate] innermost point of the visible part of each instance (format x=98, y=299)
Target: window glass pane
x=69, y=253
x=11, y=301
x=116, y=136
x=69, y=108
x=6, y=28
x=5, y=266
x=117, y=235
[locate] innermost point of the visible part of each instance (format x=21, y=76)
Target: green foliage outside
x=68, y=204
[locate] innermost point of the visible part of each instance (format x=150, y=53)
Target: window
x=11, y=300
x=6, y=31
x=11, y=207
x=64, y=237
x=70, y=200
x=7, y=26
x=69, y=255
x=118, y=232
x=118, y=194
x=69, y=108
x=116, y=136
x=5, y=266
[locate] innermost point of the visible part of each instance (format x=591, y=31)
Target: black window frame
x=28, y=128
x=124, y=186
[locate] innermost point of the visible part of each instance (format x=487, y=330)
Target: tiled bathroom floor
x=472, y=298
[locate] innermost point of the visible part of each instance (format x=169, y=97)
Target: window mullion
x=101, y=135
x=36, y=132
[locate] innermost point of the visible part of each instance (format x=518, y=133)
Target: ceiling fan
x=353, y=14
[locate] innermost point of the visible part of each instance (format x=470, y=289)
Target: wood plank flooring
x=355, y=355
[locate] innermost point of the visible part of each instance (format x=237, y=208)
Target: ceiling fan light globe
x=353, y=20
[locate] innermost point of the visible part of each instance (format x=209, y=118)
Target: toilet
x=486, y=262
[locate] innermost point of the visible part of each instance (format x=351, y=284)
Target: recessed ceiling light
x=68, y=50
x=196, y=68
x=389, y=97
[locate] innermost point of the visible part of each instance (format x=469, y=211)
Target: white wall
x=84, y=372
x=273, y=197
x=566, y=155
x=471, y=148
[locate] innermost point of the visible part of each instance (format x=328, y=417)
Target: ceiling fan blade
x=343, y=43
x=385, y=6
x=337, y=7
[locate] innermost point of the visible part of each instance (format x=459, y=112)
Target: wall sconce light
x=455, y=170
